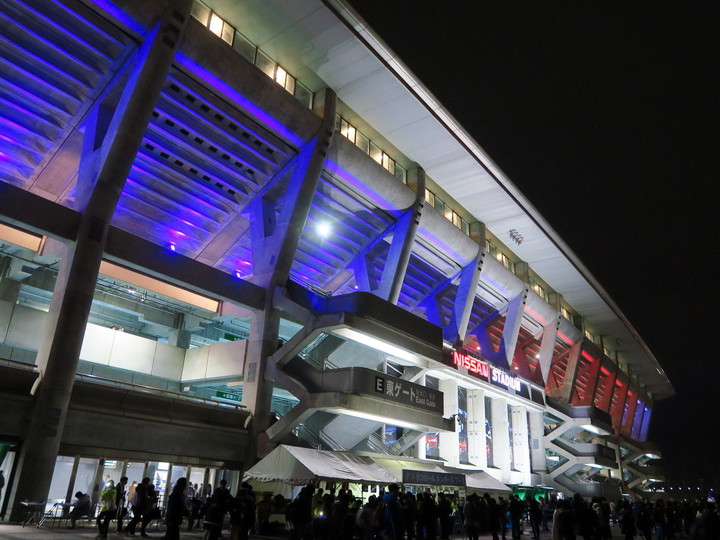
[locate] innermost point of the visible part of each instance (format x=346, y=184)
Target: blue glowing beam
x=236, y=97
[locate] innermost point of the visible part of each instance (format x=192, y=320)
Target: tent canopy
x=299, y=466
x=476, y=480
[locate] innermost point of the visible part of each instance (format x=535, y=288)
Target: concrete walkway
x=31, y=532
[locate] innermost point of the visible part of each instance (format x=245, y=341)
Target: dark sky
x=606, y=116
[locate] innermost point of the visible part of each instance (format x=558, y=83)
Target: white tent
x=482, y=481
x=295, y=466
x=475, y=480
x=299, y=466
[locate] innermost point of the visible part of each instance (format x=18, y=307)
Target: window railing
x=364, y=143
x=243, y=46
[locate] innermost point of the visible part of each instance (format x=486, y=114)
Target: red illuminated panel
x=471, y=364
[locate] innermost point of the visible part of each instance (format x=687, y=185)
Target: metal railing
x=94, y=379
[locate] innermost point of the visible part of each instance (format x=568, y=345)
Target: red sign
x=471, y=364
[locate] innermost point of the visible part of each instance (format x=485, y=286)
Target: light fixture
x=323, y=229
x=515, y=236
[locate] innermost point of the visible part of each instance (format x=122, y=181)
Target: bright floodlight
x=323, y=229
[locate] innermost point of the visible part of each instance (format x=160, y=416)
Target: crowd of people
x=317, y=514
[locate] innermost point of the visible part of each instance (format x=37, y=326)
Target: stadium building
x=227, y=226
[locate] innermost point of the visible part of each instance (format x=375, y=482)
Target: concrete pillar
x=402, y=243
x=564, y=392
x=477, y=451
x=275, y=240
x=501, y=438
x=537, y=441
x=547, y=346
x=456, y=331
x=110, y=151
x=519, y=442
x=478, y=233
x=593, y=376
x=511, y=330
x=448, y=442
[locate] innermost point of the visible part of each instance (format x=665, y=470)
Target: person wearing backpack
x=299, y=512
x=389, y=521
x=175, y=510
x=108, y=509
x=137, y=503
x=364, y=518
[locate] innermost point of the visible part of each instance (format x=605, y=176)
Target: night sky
x=605, y=115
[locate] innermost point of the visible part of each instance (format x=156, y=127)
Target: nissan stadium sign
x=486, y=372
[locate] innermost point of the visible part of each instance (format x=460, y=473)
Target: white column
x=537, y=443
x=501, y=437
x=477, y=452
x=448, y=442
x=521, y=450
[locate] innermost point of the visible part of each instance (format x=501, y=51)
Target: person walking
x=137, y=503
x=175, y=510
x=108, y=509
x=120, y=495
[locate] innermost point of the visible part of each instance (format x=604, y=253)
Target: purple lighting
x=238, y=98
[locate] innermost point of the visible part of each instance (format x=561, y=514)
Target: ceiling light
x=323, y=229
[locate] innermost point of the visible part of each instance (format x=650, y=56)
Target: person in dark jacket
x=138, y=501
x=175, y=510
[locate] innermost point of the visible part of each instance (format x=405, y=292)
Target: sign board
x=486, y=372
x=432, y=478
x=228, y=395
x=407, y=393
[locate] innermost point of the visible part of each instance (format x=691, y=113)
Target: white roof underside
x=330, y=41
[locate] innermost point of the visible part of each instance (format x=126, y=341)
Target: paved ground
x=16, y=532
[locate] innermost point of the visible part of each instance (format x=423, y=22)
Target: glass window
x=134, y=472
x=439, y=205
x=280, y=76
x=202, y=13
x=375, y=152
x=228, y=32
x=85, y=476
x=400, y=173
x=448, y=213
x=462, y=424
x=432, y=446
x=61, y=479
x=265, y=63
x=290, y=84
x=244, y=47
x=510, y=435
x=488, y=432
x=303, y=94
x=362, y=142
x=351, y=133
x=430, y=197
x=386, y=161
x=465, y=227
x=456, y=220
x=344, y=127
x=216, y=24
